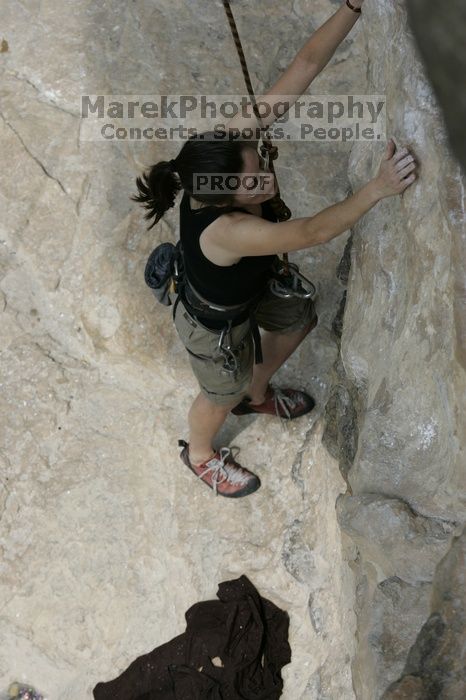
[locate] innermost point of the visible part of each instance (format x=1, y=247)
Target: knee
x=214, y=405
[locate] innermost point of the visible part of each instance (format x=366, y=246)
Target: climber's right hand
x=397, y=171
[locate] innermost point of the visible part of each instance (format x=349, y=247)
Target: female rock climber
x=230, y=243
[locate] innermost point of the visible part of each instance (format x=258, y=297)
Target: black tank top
x=232, y=284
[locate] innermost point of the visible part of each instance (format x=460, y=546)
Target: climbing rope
x=296, y=284
x=279, y=207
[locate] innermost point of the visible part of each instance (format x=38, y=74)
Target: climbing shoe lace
x=284, y=403
x=222, y=473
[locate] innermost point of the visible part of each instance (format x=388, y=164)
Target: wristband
x=351, y=7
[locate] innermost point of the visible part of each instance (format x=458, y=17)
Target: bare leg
x=205, y=419
x=276, y=348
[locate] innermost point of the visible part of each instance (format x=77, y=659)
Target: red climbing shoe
x=225, y=476
x=284, y=403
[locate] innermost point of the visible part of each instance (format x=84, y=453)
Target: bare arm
x=310, y=60
x=244, y=234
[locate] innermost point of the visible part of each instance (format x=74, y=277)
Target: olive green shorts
x=272, y=314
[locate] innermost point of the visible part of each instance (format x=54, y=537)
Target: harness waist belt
x=196, y=304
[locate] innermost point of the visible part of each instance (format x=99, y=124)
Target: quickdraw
x=291, y=282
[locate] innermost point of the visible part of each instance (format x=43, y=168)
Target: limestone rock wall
x=435, y=666
x=106, y=538
x=396, y=416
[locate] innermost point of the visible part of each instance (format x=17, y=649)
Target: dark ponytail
x=157, y=190
x=208, y=152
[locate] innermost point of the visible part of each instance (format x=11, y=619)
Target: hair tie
x=172, y=165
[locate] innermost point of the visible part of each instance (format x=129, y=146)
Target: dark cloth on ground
x=248, y=633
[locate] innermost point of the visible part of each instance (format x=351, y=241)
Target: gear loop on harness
x=196, y=305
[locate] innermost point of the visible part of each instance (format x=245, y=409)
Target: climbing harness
x=196, y=305
x=288, y=281
x=165, y=275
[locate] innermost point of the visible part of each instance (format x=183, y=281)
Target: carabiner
x=225, y=332
x=230, y=362
x=292, y=284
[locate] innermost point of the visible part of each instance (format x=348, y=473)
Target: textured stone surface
x=394, y=538
x=402, y=343
x=106, y=538
x=389, y=615
x=395, y=415
x=436, y=664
